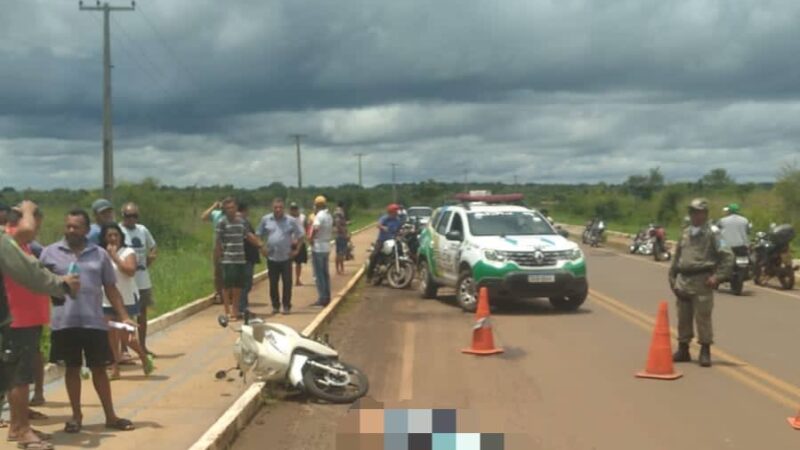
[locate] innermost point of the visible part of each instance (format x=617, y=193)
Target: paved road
x=566, y=380
x=173, y=407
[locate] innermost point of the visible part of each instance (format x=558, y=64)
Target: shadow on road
x=509, y=307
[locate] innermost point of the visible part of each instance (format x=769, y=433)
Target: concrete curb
x=223, y=433
x=225, y=430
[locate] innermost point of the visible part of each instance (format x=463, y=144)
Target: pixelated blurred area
x=371, y=425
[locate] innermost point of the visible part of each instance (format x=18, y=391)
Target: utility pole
x=108, y=145
x=394, y=183
x=515, y=180
x=297, y=138
x=360, y=180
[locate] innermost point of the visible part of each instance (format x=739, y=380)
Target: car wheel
x=570, y=303
x=467, y=292
x=427, y=286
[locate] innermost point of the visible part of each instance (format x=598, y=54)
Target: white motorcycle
x=276, y=352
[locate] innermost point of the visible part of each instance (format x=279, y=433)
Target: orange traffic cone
x=482, y=338
x=794, y=421
x=659, y=361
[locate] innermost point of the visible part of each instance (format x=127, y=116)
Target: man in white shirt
x=139, y=238
x=321, y=249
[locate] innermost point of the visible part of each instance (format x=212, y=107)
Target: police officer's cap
x=699, y=204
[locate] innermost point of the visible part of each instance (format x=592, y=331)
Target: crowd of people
x=92, y=288
x=285, y=240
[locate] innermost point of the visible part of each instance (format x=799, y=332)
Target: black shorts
x=23, y=343
x=233, y=276
x=71, y=345
x=302, y=255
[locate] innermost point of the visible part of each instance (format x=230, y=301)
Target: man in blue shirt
x=281, y=235
x=388, y=226
x=103, y=214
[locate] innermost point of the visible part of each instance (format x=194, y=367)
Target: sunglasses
x=130, y=216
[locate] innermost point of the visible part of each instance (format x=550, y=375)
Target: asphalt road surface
x=566, y=379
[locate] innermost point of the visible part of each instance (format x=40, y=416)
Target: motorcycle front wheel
x=332, y=388
x=400, y=279
x=787, y=280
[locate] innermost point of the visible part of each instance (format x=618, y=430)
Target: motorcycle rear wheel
x=787, y=280
x=737, y=284
x=355, y=389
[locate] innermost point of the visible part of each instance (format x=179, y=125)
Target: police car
x=515, y=252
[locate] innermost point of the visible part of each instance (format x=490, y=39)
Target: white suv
x=512, y=250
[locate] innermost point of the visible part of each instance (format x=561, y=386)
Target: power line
x=156, y=70
x=165, y=43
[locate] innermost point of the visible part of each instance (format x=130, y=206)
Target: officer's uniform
x=699, y=256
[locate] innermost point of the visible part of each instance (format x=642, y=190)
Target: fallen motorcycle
x=276, y=352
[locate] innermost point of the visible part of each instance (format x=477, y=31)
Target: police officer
x=701, y=263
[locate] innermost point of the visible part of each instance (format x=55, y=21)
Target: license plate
x=742, y=260
x=541, y=279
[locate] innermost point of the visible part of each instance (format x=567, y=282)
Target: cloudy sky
x=207, y=92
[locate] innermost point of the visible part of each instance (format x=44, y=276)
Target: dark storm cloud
x=553, y=91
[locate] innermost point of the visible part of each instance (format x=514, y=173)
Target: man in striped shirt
x=231, y=234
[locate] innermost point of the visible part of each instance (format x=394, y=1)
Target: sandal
x=121, y=425
x=148, y=365
x=36, y=445
x=40, y=434
x=36, y=415
x=36, y=401
x=72, y=427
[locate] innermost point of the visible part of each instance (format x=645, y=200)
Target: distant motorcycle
x=393, y=264
x=741, y=269
x=593, y=233
x=642, y=243
x=773, y=256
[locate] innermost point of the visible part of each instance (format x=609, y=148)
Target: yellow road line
x=777, y=389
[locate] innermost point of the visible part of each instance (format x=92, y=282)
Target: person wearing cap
x=735, y=230
x=103, y=213
x=701, y=263
x=388, y=226
x=321, y=233
x=301, y=249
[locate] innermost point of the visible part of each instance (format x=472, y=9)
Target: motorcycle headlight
x=575, y=254
x=248, y=357
x=494, y=255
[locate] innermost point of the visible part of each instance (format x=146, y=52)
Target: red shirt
x=27, y=308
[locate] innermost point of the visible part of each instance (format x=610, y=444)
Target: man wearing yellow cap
x=321, y=233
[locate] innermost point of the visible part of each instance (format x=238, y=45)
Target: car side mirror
x=454, y=235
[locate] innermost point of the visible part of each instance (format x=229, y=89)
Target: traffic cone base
x=673, y=376
x=659, y=359
x=794, y=422
x=482, y=337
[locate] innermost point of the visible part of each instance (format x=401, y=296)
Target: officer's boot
x=682, y=355
x=705, y=355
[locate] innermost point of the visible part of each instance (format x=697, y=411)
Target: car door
x=440, y=244
x=451, y=250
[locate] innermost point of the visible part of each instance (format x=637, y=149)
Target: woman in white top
x=123, y=259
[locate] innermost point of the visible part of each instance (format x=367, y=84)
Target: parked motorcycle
x=394, y=264
x=642, y=243
x=276, y=352
x=773, y=256
x=741, y=269
x=593, y=233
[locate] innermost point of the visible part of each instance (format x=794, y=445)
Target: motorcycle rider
x=388, y=226
x=735, y=230
x=701, y=263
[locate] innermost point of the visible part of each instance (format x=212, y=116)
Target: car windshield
x=420, y=212
x=516, y=223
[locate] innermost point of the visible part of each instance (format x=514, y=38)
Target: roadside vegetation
x=182, y=272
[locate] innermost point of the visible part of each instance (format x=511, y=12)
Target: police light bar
x=497, y=198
